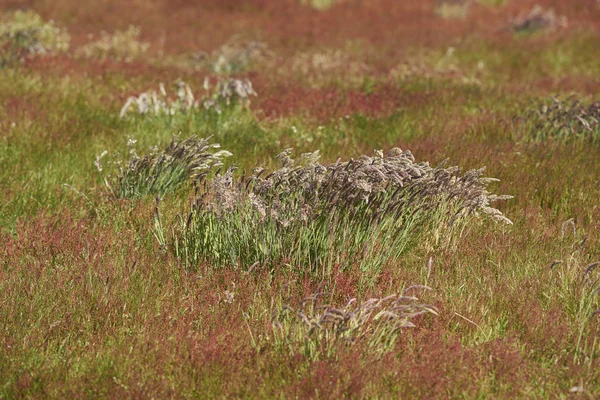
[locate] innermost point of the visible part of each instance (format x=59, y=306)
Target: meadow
x=300, y=199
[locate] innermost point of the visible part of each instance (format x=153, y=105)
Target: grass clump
x=162, y=171
x=227, y=93
x=493, y=3
x=320, y=4
x=318, y=331
x=446, y=66
x=237, y=55
x=360, y=213
x=119, y=46
x=536, y=20
x=328, y=67
x=25, y=34
x=565, y=119
x=452, y=8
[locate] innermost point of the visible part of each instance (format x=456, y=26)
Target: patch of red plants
x=326, y=104
x=188, y=25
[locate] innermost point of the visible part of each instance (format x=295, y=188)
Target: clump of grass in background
x=537, y=20
x=119, y=46
x=360, y=213
x=162, y=171
x=236, y=55
x=493, y=3
x=320, y=4
x=330, y=66
x=25, y=34
x=227, y=93
x=159, y=103
x=318, y=331
x=452, y=8
x=438, y=65
x=564, y=119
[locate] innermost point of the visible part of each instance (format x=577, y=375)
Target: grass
x=358, y=214
x=26, y=34
x=344, y=276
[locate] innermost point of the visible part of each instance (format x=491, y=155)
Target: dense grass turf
x=137, y=263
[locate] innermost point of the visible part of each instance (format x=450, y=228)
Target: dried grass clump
x=320, y=4
x=564, y=119
x=25, y=34
x=227, y=93
x=435, y=66
x=318, y=331
x=493, y=3
x=162, y=171
x=159, y=103
x=119, y=46
x=536, y=20
x=360, y=213
x=452, y=8
x=330, y=66
x=236, y=55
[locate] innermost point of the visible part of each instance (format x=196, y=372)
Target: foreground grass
x=94, y=305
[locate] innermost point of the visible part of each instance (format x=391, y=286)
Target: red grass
x=206, y=24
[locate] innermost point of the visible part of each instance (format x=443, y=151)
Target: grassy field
x=286, y=199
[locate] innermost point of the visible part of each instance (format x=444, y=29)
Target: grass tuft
x=318, y=331
x=227, y=93
x=25, y=34
x=237, y=55
x=119, y=46
x=538, y=19
x=162, y=171
x=564, y=120
x=360, y=213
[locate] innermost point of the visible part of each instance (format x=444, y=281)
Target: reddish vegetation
x=63, y=65
x=570, y=84
x=181, y=25
x=427, y=363
x=327, y=104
